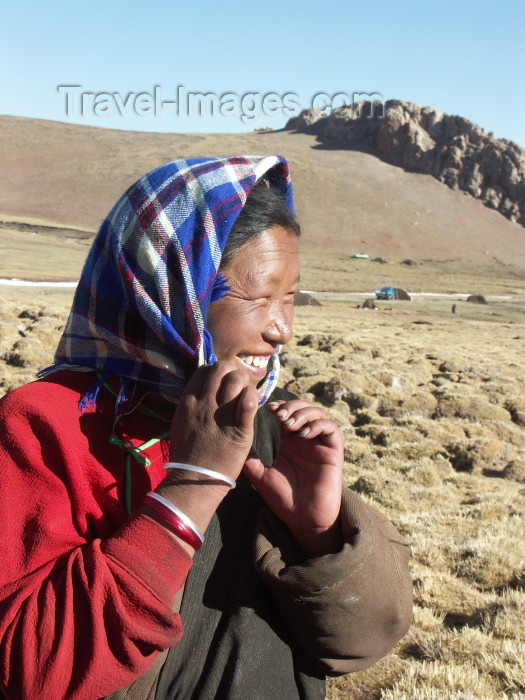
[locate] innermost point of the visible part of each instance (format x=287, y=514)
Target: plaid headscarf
x=141, y=304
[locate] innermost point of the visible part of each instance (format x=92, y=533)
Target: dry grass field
x=432, y=407
x=431, y=403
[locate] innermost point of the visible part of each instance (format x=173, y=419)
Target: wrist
x=173, y=519
x=213, y=475
x=317, y=542
x=194, y=494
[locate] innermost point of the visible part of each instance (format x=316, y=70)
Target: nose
x=279, y=329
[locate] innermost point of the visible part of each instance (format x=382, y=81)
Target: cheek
x=251, y=323
x=233, y=327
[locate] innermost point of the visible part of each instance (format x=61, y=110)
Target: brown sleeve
x=345, y=610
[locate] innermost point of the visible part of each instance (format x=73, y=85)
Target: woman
x=109, y=585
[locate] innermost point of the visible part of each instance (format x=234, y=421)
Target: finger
x=297, y=418
x=247, y=406
x=206, y=380
x=282, y=409
x=232, y=382
x=322, y=427
x=253, y=469
x=197, y=381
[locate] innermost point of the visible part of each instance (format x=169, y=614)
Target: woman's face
x=256, y=316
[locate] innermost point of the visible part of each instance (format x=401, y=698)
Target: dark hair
x=265, y=207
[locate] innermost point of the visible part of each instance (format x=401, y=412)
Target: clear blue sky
x=463, y=57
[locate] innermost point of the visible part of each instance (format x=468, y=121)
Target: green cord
x=134, y=452
x=154, y=440
x=131, y=451
x=127, y=484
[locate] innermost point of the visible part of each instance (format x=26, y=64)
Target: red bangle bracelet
x=174, y=520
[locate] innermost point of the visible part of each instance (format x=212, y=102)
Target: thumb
x=253, y=469
x=247, y=405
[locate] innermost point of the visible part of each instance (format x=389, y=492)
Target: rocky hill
x=420, y=139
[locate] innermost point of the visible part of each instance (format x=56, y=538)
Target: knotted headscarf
x=141, y=304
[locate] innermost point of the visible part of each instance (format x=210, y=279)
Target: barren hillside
x=347, y=201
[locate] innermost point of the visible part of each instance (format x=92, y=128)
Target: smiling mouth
x=260, y=361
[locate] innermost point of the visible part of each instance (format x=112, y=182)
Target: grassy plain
x=32, y=254
x=433, y=411
x=432, y=407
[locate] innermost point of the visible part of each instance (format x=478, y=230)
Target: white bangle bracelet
x=201, y=470
x=187, y=522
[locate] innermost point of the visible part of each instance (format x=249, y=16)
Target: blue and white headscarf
x=141, y=304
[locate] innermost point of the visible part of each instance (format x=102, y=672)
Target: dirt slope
x=347, y=201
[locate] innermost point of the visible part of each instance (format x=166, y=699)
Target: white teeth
x=256, y=361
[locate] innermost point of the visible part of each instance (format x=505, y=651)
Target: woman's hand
x=212, y=427
x=213, y=424
x=303, y=486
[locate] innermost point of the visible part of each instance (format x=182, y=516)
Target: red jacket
x=69, y=552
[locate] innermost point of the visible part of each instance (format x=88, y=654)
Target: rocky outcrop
x=421, y=139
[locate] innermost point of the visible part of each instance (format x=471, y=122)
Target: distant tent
x=305, y=299
x=477, y=299
x=401, y=294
